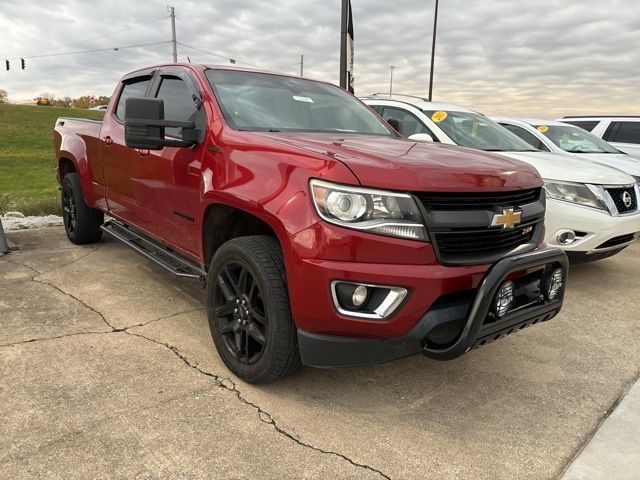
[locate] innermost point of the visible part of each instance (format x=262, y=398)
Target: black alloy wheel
x=69, y=209
x=241, y=316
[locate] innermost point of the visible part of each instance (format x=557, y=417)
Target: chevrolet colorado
x=322, y=237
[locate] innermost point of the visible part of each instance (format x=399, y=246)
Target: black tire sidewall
x=88, y=220
x=278, y=318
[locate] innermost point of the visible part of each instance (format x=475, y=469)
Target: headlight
x=376, y=211
x=575, y=193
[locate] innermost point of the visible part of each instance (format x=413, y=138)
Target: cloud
x=498, y=56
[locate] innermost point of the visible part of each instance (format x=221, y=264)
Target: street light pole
x=391, y=80
x=433, y=51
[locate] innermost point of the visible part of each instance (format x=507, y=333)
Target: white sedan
x=567, y=139
x=592, y=209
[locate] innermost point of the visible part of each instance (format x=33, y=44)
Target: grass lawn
x=27, y=160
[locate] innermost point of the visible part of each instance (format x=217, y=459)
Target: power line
x=102, y=36
x=91, y=51
x=232, y=60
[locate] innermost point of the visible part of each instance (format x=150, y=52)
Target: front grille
x=482, y=242
x=614, y=242
x=478, y=200
x=620, y=194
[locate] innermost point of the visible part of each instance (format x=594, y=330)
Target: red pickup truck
x=323, y=238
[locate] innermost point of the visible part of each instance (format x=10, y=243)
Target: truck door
x=169, y=180
x=119, y=162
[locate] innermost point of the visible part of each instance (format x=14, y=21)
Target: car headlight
x=375, y=211
x=586, y=195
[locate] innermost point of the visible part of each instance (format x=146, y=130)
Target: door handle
x=108, y=140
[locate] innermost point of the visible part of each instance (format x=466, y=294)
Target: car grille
x=618, y=195
x=478, y=201
x=480, y=242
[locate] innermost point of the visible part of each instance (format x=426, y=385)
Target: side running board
x=154, y=251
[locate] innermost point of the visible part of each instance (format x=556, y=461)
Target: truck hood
x=553, y=166
x=621, y=161
x=400, y=164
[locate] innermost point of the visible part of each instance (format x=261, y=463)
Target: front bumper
x=599, y=232
x=466, y=316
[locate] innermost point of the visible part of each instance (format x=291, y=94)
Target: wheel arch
x=222, y=222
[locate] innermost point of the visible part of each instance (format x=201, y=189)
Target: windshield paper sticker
x=302, y=99
x=439, y=116
x=543, y=128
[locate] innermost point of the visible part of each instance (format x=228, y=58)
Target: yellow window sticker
x=543, y=128
x=439, y=116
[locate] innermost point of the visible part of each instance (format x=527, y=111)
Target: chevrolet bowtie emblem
x=507, y=219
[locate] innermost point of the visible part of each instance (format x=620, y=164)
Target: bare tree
x=4, y=96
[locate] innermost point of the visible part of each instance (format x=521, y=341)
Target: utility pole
x=391, y=80
x=433, y=51
x=174, y=44
x=302, y=65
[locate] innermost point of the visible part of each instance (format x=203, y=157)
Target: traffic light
x=6, y=62
x=22, y=63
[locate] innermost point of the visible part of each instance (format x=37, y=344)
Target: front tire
x=248, y=310
x=81, y=222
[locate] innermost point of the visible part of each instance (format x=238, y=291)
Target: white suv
x=592, y=209
x=621, y=132
x=558, y=137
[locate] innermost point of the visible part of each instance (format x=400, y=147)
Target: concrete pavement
x=108, y=371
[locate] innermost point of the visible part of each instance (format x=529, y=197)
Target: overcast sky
x=528, y=57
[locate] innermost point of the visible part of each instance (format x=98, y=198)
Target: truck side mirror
x=144, y=125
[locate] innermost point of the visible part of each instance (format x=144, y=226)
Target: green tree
x=64, y=102
x=102, y=100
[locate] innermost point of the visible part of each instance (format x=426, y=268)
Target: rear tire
x=248, y=310
x=81, y=222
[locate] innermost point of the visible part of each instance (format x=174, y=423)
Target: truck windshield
x=574, y=139
x=253, y=101
x=473, y=130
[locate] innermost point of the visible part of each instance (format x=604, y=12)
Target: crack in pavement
x=226, y=383
x=201, y=309
x=113, y=329
x=221, y=382
x=34, y=340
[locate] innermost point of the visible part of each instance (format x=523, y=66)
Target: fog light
x=565, y=237
x=359, y=296
x=554, y=284
x=503, y=299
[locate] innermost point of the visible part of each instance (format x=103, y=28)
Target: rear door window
x=623, y=132
x=528, y=137
x=136, y=87
x=588, y=125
